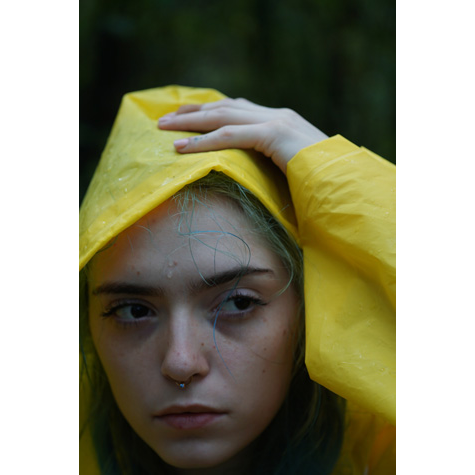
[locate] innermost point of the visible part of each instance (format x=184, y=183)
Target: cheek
x=131, y=384
x=276, y=359
x=264, y=386
x=262, y=365
x=278, y=336
x=124, y=366
x=274, y=354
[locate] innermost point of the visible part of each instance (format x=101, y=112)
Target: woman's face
x=154, y=298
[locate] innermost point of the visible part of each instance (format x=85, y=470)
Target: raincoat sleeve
x=344, y=199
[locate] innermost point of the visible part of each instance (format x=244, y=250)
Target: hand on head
x=239, y=123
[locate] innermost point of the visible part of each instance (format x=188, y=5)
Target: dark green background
x=333, y=61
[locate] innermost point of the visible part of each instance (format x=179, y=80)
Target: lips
x=189, y=417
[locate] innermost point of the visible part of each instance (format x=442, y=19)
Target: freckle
x=263, y=371
x=265, y=349
x=138, y=272
x=202, y=344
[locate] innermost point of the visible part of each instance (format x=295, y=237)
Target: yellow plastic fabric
x=344, y=219
x=139, y=169
x=344, y=199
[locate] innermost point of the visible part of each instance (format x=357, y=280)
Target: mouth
x=189, y=417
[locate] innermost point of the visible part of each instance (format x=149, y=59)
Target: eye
x=238, y=305
x=129, y=311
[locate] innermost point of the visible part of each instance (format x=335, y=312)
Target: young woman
x=235, y=317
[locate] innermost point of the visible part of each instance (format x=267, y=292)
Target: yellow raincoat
x=340, y=206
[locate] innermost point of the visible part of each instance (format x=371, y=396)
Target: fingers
x=229, y=103
x=243, y=104
x=211, y=115
x=230, y=136
x=187, y=108
x=200, y=119
x=254, y=136
x=238, y=123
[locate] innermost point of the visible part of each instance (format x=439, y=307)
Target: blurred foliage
x=333, y=61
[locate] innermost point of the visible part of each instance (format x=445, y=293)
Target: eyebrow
x=215, y=280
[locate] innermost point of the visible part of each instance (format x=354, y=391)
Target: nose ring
x=184, y=384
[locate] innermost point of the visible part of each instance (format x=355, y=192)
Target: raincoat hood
x=140, y=169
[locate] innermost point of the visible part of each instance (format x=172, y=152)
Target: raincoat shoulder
x=344, y=199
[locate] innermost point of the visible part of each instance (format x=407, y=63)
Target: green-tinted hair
x=306, y=434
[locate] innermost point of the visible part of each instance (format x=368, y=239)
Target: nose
x=186, y=355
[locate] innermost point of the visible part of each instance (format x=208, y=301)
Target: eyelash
x=219, y=310
x=251, y=300
x=113, y=309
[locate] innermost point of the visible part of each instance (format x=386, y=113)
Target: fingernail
x=182, y=143
x=166, y=118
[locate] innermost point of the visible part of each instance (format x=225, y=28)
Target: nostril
x=184, y=362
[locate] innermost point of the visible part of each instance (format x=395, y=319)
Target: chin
x=193, y=462
x=205, y=459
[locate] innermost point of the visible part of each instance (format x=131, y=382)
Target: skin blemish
x=171, y=265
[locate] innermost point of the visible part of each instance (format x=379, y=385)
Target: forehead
x=206, y=236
